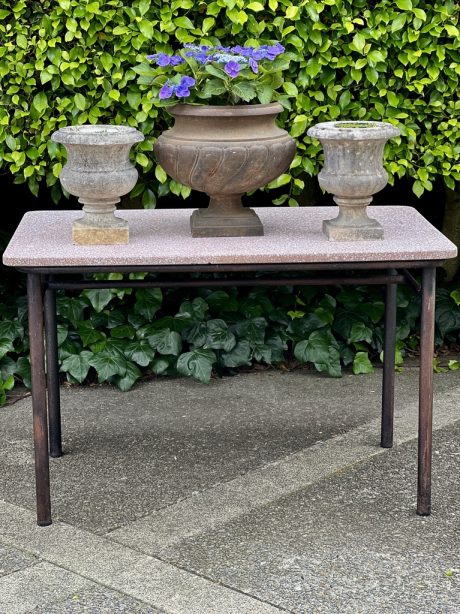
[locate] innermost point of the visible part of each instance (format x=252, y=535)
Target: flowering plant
x=202, y=74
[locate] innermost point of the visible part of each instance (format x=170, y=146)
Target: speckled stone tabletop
x=292, y=235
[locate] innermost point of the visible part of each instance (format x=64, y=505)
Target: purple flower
x=237, y=49
x=254, y=66
x=187, y=81
x=232, y=68
x=175, y=60
x=152, y=57
x=182, y=91
x=166, y=91
x=163, y=59
x=274, y=50
x=260, y=53
x=201, y=58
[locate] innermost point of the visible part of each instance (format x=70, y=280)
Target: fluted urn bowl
x=353, y=171
x=225, y=151
x=98, y=171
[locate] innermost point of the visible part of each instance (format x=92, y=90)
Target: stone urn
x=353, y=171
x=98, y=171
x=225, y=151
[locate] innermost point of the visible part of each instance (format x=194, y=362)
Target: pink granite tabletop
x=292, y=235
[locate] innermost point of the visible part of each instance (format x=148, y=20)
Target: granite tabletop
x=162, y=237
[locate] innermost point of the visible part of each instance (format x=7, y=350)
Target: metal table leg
x=388, y=387
x=426, y=391
x=37, y=359
x=52, y=374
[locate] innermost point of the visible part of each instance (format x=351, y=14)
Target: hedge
x=71, y=61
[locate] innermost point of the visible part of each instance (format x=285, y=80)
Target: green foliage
x=71, y=61
x=117, y=336
x=208, y=75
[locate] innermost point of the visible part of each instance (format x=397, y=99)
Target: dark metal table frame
x=43, y=282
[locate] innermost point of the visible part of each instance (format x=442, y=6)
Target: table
x=160, y=243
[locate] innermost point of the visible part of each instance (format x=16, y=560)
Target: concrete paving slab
x=130, y=454
x=137, y=575
x=37, y=585
x=12, y=559
x=351, y=543
x=96, y=601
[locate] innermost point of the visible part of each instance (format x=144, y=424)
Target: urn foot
x=209, y=223
x=367, y=231
x=113, y=231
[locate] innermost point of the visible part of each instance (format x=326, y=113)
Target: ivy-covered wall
x=71, y=61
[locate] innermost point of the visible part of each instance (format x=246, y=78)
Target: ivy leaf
x=239, y=356
x=159, y=365
x=196, y=310
x=23, y=370
x=218, y=336
x=128, y=380
x=197, y=363
x=140, y=351
x=166, y=342
x=148, y=302
x=11, y=330
x=107, y=366
x=88, y=334
x=322, y=349
x=362, y=364
x=125, y=331
x=253, y=330
x=77, y=365
x=71, y=308
x=99, y=298
x=6, y=346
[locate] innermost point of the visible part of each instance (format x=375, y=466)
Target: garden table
x=160, y=244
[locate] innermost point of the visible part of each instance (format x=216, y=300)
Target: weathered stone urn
x=98, y=171
x=353, y=171
x=225, y=151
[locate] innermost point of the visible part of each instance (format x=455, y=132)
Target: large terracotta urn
x=353, y=171
x=98, y=171
x=225, y=151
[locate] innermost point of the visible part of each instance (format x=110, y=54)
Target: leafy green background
x=71, y=61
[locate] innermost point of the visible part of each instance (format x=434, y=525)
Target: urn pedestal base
x=226, y=217
x=352, y=223
x=338, y=232
x=113, y=231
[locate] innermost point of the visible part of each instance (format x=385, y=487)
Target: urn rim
x=353, y=130
x=238, y=110
x=97, y=134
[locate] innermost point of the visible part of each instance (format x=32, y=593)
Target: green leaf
x=183, y=22
x=148, y=302
x=127, y=381
x=239, y=356
x=166, y=341
x=88, y=334
x=404, y=5
x=244, y=90
x=362, y=364
x=213, y=87
x=77, y=365
x=253, y=330
x=140, y=351
x=99, y=298
x=40, y=102
x=23, y=370
x=197, y=363
x=359, y=41
x=6, y=346
x=196, y=310
x=455, y=294
x=322, y=350
x=159, y=365
x=80, y=102
x=107, y=365
x=255, y=6
x=218, y=336
x=11, y=330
